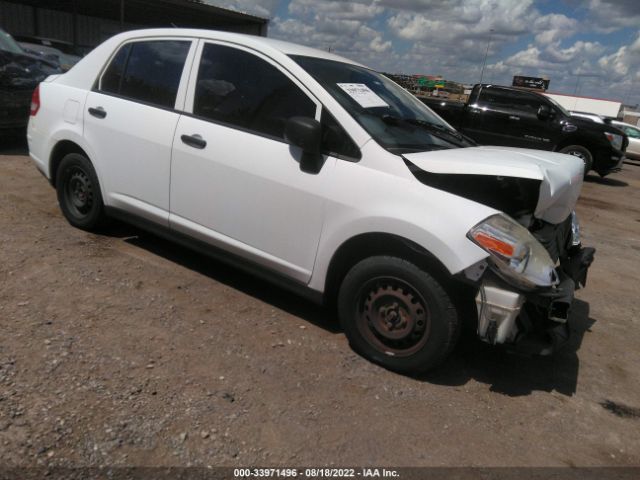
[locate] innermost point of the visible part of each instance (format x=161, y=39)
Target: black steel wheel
x=393, y=316
x=79, y=194
x=397, y=315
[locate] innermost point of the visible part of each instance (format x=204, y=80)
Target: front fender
x=433, y=219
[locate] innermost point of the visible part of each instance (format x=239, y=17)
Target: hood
x=592, y=126
x=556, y=178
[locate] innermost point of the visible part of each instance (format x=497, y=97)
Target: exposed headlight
x=575, y=230
x=515, y=253
x=615, y=139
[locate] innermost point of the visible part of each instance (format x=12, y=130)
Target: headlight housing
x=575, y=230
x=614, y=139
x=516, y=255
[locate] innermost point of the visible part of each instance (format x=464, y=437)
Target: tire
x=79, y=194
x=397, y=315
x=582, y=153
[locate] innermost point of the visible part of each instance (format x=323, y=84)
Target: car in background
x=500, y=115
x=633, y=132
x=64, y=60
x=591, y=116
x=20, y=73
x=65, y=47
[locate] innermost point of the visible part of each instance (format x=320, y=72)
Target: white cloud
x=449, y=37
x=552, y=28
x=607, y=16
x=626, y=61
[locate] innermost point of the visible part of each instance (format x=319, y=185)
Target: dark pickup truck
x=496, y=115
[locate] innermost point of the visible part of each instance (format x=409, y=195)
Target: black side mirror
x=544, y=112
x=306, y=133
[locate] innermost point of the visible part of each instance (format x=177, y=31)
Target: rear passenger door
x=510, y=118
x=129, y=120
x=235, y=182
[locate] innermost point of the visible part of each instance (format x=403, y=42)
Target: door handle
x=514, y=117
x=195, y=141
x=97, y=112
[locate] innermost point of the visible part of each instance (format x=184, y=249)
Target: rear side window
x=148, y=72
x=113, y=75
x=240, y=89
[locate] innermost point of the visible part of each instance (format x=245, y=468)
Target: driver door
x=235, y=182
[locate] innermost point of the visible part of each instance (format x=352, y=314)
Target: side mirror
x=306, y=133
x=544, y=112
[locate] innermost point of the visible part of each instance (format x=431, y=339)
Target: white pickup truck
x=322, y=175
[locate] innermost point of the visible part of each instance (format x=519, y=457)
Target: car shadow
x=228, y=275
x=611, y=182
x=513, y=374
x=13, y=142
x=507, y=373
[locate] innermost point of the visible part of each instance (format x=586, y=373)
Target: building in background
x=87, y=23
x=597, y=106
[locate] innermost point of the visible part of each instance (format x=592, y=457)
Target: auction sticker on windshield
x=362, y=94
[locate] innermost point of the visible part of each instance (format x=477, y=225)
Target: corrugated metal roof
x=215, y=5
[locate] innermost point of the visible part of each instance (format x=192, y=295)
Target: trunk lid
x=560, y=175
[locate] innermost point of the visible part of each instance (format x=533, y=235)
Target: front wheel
x=79, y=194
x=582, y=153
x=397, y=315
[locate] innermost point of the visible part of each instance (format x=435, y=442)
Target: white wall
x=608, y=108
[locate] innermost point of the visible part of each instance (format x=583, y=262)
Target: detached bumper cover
x=534, y=322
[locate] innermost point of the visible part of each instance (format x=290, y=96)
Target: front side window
x=496, y=98
x=148, y=72
x=237, y=88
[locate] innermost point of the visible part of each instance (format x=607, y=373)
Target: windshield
x=8, y=44
x=393, y=117
x=559, y=107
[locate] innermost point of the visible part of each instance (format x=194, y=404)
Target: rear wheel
x=79, y=194
x=582, y=153
x=397, y=315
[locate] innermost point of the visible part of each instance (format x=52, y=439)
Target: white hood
x=560, y=175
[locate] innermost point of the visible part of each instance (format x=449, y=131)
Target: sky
x=586, y=47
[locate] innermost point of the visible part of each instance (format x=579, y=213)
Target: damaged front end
x=525, y=287
x=533, y=317
x=524, y=297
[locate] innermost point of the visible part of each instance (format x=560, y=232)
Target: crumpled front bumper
x=536, y=321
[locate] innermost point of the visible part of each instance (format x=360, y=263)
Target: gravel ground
x=123, y=349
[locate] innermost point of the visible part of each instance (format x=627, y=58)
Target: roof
x=190, y=13
x=227, y=10
x=85, y=70
x=282, y=46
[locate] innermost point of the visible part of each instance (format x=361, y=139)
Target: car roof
x=31, y=38
x=282, y=46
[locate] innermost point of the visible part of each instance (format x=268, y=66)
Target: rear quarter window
x=148, y=71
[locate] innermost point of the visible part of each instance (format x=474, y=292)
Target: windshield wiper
x=439, y=130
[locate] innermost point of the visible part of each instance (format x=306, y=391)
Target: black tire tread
x=98, y=219
x=450, y=312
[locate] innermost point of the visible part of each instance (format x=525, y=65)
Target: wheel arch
x=366, y=245
x=576, y=140
x=59, y=151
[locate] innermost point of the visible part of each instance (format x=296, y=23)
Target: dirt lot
x=123, y=349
